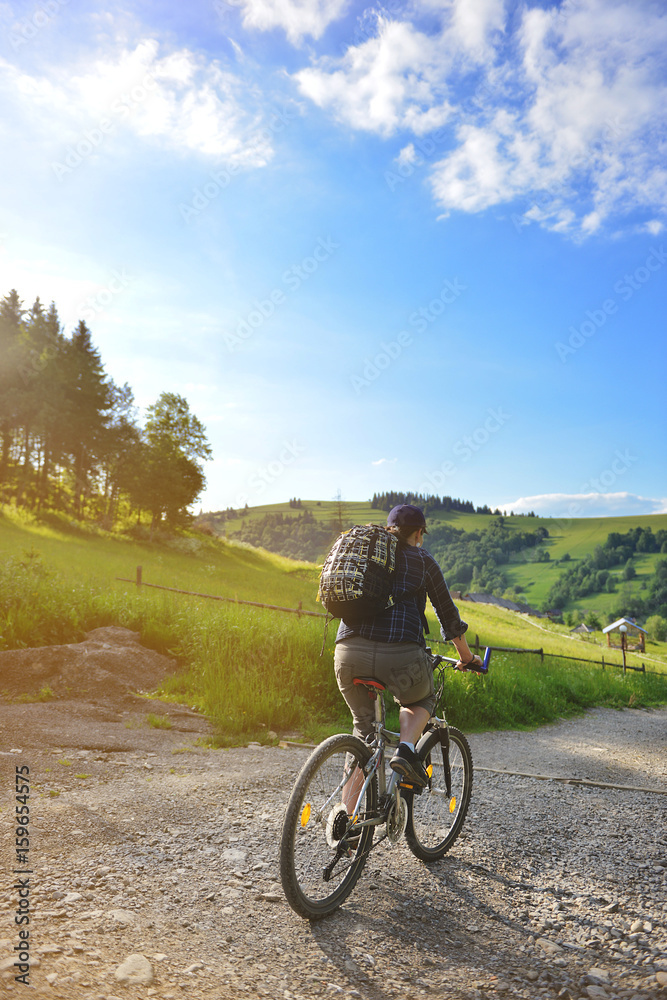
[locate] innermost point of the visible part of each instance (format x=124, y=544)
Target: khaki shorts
x=404, y=668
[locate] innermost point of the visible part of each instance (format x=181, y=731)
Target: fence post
x=476, y=645
x=603, y=667
x=542, y=655
x=298, y=610
x=139, y=572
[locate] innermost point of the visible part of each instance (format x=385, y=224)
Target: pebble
x=549, y=947
x=136, y=970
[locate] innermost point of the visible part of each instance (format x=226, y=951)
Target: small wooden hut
x=634, y=636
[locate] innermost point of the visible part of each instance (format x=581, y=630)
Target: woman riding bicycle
x=390, y=647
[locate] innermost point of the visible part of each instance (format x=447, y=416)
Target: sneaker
x=406, y=762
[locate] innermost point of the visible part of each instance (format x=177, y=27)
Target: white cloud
x=407, y=155
x=475, y=20
x=566, y=105
x=297, y=17
x=592, y=96
x=178, y=99
x=384, y=461
x=586, y=504
x=387, y=82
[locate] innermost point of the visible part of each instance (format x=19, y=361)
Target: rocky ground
x=154, y=865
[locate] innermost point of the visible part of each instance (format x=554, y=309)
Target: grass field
x=252, y=670
x=577, y=536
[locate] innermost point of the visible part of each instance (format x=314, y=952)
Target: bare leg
x=351, y=789
x=412, y=722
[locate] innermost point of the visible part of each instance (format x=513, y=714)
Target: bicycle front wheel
x=320, y=861
x=436, y=818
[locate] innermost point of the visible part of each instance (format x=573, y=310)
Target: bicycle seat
x=369, y=682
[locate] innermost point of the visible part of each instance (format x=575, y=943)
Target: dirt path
x=143, y=843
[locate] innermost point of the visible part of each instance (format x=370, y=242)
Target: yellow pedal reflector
x=452, y=804
x=305, y=814
x=429, y=770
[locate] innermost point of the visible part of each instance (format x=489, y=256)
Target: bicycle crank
x=397, y=818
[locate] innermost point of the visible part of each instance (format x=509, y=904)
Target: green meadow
x=576, y=536
x=254, y=671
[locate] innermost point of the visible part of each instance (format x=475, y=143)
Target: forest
x=70, y=439
x=473, y=560
x=429, y=503
x=593, y=573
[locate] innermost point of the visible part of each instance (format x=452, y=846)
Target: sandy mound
x=109, y=664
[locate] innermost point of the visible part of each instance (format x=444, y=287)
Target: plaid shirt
x=418, y=574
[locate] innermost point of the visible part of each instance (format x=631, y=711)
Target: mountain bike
x=343, y=794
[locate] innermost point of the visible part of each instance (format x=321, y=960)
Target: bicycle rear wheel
x=319, y=862
x=436, y=818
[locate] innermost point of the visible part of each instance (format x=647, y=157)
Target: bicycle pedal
x=404, y=784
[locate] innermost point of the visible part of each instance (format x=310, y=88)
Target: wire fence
x=140, y=582
x=299, y=612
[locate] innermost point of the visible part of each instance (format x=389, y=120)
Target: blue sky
x=412, y=246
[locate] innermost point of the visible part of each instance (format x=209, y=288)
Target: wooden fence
x=140, y=582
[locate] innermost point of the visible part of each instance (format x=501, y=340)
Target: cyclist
x=391, y=648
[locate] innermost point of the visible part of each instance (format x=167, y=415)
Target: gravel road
x=154, y=869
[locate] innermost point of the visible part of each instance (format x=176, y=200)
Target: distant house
x=582, y=628
x=634, y=635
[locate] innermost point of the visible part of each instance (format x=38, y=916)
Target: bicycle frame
x=385, y=737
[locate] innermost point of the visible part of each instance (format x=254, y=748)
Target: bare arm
x=463, y=649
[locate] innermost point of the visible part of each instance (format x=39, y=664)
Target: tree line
x=429, y=503
x=70, y=439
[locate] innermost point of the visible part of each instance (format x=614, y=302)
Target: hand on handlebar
x=475, y=665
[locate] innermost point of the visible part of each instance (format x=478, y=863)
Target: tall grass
x=252, y=671
x=521, y=692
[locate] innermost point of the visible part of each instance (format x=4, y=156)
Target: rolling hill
x=529, y=579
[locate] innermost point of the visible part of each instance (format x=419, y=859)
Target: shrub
x=656, y=626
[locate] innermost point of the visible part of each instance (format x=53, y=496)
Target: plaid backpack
x=358, y=574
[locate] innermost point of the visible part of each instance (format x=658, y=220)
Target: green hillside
x=189, y=561
x=529, y=579
x=255, y=671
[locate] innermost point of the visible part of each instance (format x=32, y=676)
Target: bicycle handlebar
x=468, y=668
